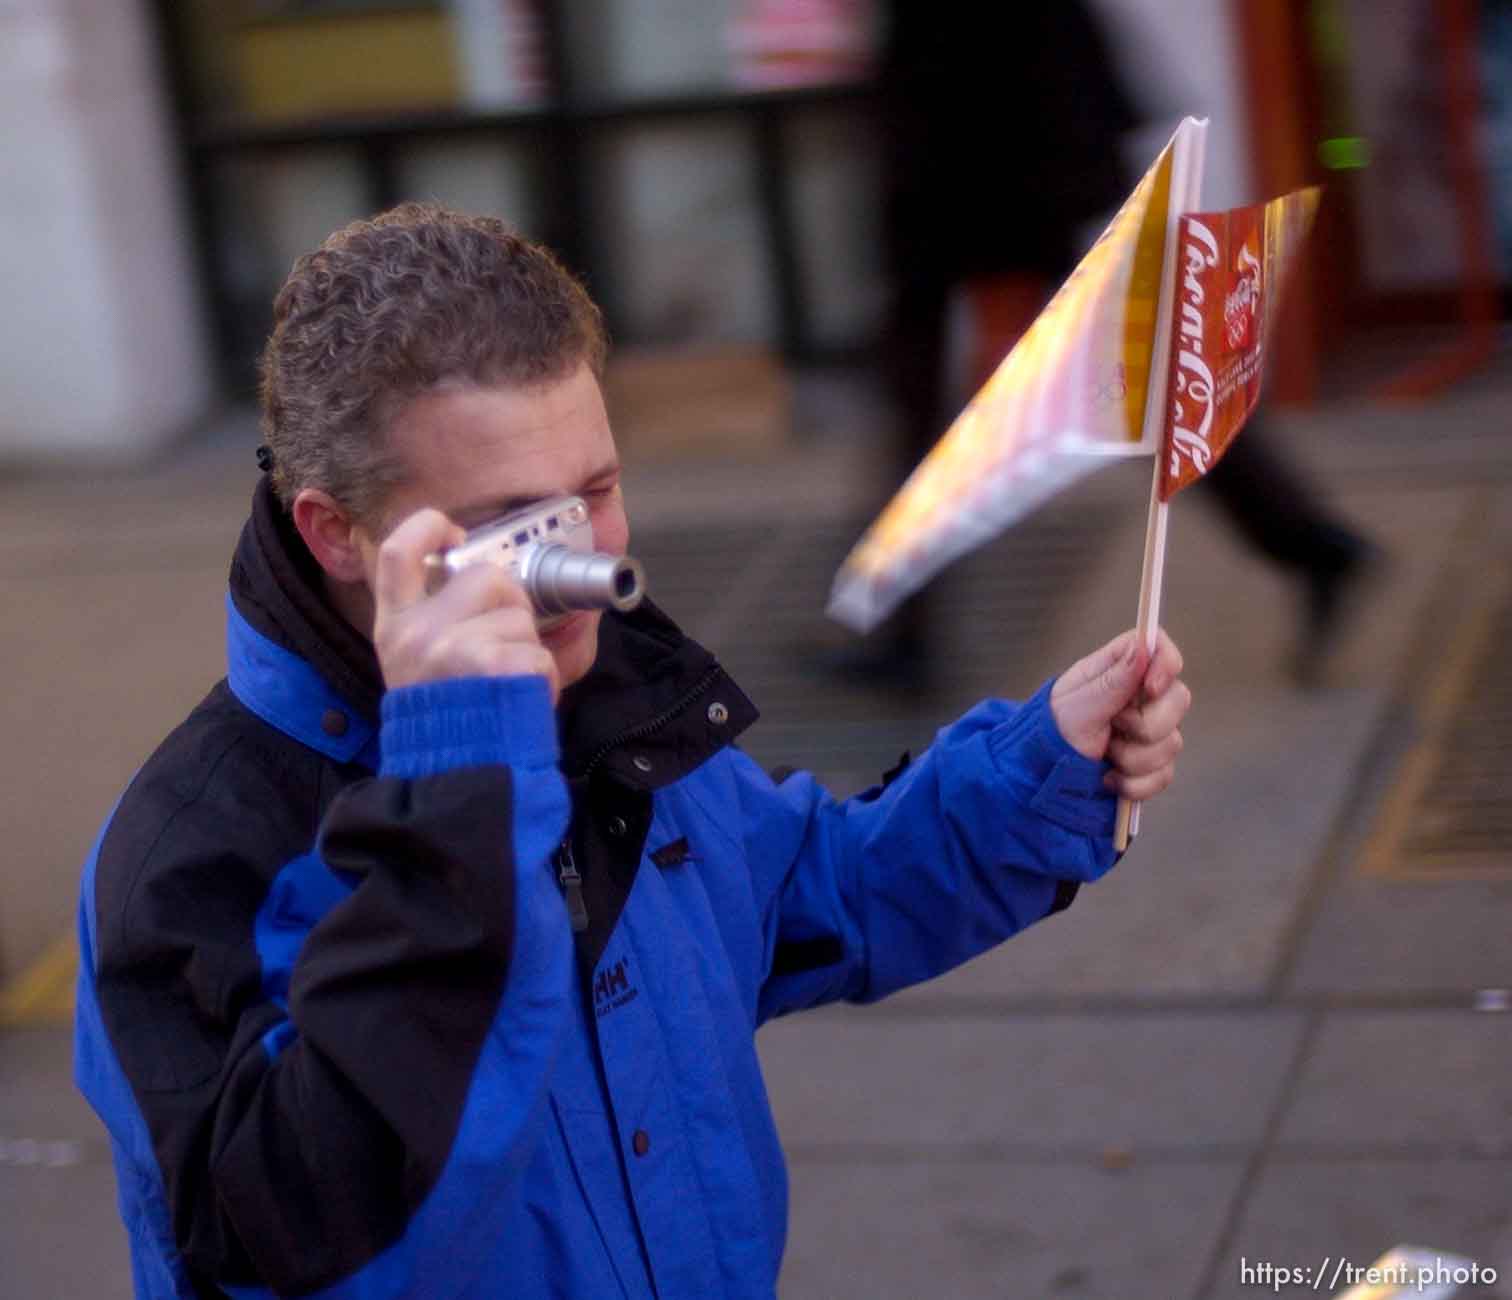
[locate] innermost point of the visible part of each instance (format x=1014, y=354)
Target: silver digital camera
x=548, y=549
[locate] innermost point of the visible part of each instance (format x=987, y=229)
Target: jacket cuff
x=467, y=722
x=1069, y=788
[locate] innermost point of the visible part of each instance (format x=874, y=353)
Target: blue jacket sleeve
x=434, y=735
x=357, y=1129
x=975, y=840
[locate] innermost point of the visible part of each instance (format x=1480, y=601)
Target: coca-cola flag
x=1154, y=345
x=1071, y=396
x=1231, y=266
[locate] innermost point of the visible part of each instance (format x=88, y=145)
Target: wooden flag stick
x=1147, y=625
x=1186, y=187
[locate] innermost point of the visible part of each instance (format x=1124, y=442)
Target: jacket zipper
x=645, y=729
x=572, y=886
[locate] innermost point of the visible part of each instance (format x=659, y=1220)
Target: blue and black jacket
x=437, y=993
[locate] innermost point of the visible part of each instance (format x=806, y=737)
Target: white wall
x=102, y=352
x=1180, y=59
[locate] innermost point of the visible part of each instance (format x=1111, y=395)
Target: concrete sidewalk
x=1241, y=1049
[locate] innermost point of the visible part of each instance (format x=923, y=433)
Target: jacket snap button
x=618, y=826
x=333, y=722
x=642, y=763
x=718, y=714
x=641, y=1142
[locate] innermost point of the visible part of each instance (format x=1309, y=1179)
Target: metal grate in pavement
x=1465, y=811
x=1450, y=814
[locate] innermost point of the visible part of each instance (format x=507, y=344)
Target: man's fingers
x=485, y=652
x=1093, y=689
x=1103, y=692
x=479, y=624
x=1140, y=788
x=1158, y=717
x=1090, y=693
x=478, y=589
x=511, y=657
x=1095, y=667
x=480, y=645
x=1131, y=758
x=1165, y=665
x=546, y=666
x=400, y=580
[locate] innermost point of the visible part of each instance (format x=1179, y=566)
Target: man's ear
x=330, y=534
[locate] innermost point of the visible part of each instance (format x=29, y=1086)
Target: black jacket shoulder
x=190, y=852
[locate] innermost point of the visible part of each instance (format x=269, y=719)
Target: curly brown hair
x=391, y=308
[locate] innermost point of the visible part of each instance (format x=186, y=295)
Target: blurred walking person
x=971, y=93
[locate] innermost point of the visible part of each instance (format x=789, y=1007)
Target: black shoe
x=1333, y=590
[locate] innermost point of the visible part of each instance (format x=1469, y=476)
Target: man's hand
x=1121, y=704
x=480, y=624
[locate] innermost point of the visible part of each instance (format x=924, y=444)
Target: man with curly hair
x=347, y=1035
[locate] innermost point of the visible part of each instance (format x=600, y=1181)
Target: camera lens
x=562, y=579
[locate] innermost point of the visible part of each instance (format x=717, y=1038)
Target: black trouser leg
x=914, y=356
x=1276, y=510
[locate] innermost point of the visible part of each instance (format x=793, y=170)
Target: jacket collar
x=655, y=705
x=277, y=588
x=286, y=692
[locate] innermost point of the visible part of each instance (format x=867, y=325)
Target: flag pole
x=1147, y=625
x=1186, y=191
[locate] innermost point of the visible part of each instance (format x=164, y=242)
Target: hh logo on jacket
x=612, y=989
